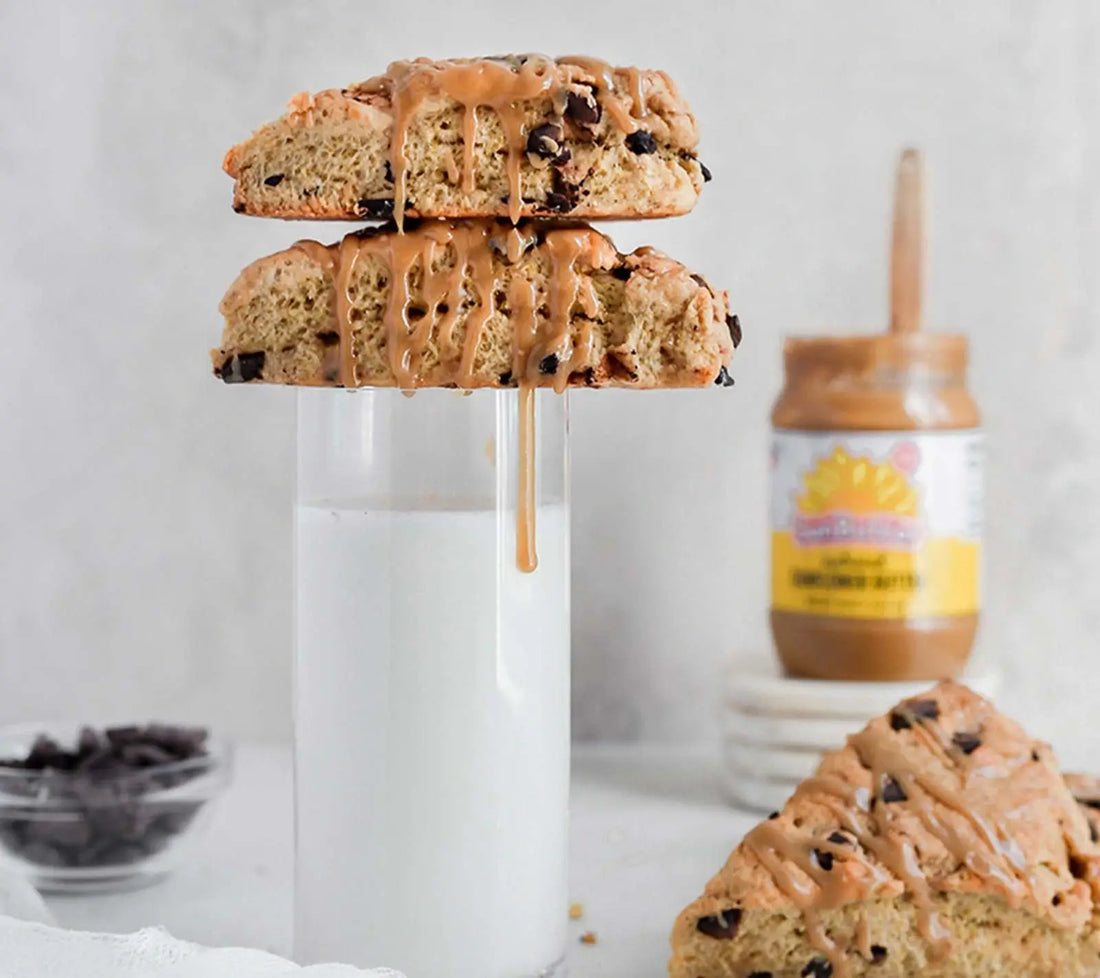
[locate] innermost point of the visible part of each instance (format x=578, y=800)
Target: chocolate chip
x=1094, y=833
x=773, y=815
x=505, y=378
x=722, y=927
x=621, y=272
x=42, y=855
x=707, y=176
x=891, y=790
x=878, y=954
x=913, y=710
x=966, y=742
x=559, y=203
x=640, y=142
x=89, y=742
x=1035, y=756
x=548, y=143
x=388, y=172
x=1090, y=802
x=145, y=755
x=583, y=108
x=251, y=364
x=45, y=753
x=375, y=207
x=101, y=760
x=824, y=859
x=839, y=839
x=562, y=197
x=549, y=364
x=734, y=325
x=328, y=337
x=589, y=376
x=121, y=736
x=701, y=282
x=723, y=379
x=760, y=974
x=239, y=369
x=817, y=968
x=274, y=180
x=924, y=709
x=238, y=208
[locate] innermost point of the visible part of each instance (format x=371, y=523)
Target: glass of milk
x=431, y=685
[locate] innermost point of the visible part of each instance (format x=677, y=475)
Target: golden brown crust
x=564, y=309
x=621, y=144
x=943, y=805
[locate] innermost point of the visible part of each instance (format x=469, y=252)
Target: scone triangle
x=515, y=136
x=941, y=841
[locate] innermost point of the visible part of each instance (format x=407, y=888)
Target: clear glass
x=432, y=685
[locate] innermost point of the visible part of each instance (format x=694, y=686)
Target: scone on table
x=941, y=841
x=516, y=136
x=474, y=304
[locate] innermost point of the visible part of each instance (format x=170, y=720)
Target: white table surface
x=650, y=826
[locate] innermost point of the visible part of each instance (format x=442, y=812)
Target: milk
x=432, y=741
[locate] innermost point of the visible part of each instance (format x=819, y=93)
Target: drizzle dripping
x=468, y=281
x=526, y=557
x=475, y=84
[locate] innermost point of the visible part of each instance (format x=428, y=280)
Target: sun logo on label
x=856, y=500
x=857, y=485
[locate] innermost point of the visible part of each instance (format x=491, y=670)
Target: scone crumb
x=589, y=937
x=576, y=911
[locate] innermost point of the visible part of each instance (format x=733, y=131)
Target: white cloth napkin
x=30, y=948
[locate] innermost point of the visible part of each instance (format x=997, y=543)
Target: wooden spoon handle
x=907, y=253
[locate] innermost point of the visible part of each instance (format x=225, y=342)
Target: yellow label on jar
x=876, y=525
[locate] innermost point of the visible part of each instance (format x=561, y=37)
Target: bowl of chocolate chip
x=102, y=809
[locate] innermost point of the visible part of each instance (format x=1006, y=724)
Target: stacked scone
x=483, y=275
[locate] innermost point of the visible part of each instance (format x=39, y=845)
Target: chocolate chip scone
x=941, y=841
x=517, y=136
x=474, y=304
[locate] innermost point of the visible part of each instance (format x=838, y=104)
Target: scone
x=941, y=842
x=517, y=136
x=474, y=304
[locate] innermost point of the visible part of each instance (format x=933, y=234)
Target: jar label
x=879, y=525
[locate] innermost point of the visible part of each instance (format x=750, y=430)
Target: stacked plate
x=775, y=729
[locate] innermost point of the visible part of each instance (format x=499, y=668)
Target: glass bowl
x=78, y=829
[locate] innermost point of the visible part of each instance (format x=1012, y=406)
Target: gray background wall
x=145, y=563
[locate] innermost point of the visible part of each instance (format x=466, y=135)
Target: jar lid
x=913, y=352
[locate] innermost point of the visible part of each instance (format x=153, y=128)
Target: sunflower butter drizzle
x=792, y=856
x=623, y=107
x=473, y=84
x=461, y=265
x=505, y=87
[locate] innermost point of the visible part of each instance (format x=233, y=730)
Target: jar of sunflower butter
x=876, y=512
